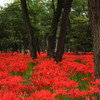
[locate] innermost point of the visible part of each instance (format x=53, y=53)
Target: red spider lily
x=48, y=79
x=84, y=79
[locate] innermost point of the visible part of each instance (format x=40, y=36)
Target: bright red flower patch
x=73, y=77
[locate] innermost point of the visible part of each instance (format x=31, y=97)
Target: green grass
x=83, y=85
x=79, y=61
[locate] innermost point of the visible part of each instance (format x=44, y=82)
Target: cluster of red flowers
x=73, y=78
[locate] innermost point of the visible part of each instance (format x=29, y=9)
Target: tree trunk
x=25, y=48
x=94, y=15
x=44, y=43
x=37, y=45
x=20, y=47
x=5, y=50
x=52, y=35
x=53, y=6
x=32, y=44
x=37, y=40
x=1, y=51
x=72, y=38
x=63, y=30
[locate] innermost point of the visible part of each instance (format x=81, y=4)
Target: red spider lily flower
x=97, y=82
x=87, y=98
x=93, y=98
x=84, y=79
x=44, y=94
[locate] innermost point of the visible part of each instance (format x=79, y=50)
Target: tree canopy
x=13, y=33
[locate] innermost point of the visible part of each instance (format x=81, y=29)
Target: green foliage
x=83, y=85
x=61, y=97
x=80, y=7
x=12, y=27
x=82, y=38
x=81, y=32
x=79, y=61
x=10, y=20
x=13, y=32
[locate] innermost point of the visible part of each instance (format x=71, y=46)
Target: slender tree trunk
x=32, y=44
x=37, y=40
x=20, y=47
x=52, y=35
x=72, y=38
x=44, y=44
x=94, y=15
x=53, y=6
x=5, y=50
x=63, y=30
x=1, y=51
x=12, y=52
x=37, y=45
x=25, y=47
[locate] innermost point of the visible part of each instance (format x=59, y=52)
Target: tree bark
x=63, y=30
x=94, y=15
x=72, y=37
x=20, y=47
x=5, y=50
x=25, y=48
x=31, y=38
x=52, y=35
x=53, y=6
x=37, y=45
